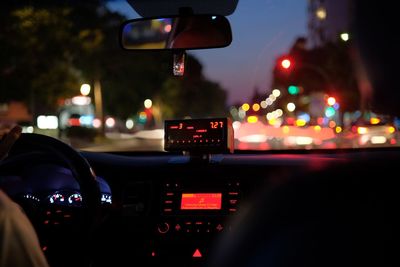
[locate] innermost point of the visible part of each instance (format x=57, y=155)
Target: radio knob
x=163, y=228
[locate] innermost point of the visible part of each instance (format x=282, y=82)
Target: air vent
x=136, y=199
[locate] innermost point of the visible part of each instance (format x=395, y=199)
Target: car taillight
x=74, y=122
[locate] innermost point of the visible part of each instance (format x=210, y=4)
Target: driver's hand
x=7, y=139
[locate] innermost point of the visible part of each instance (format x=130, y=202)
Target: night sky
x=262, y=30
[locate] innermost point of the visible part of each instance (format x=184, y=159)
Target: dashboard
x=166, y=208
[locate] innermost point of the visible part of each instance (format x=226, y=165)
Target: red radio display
x=201, y=201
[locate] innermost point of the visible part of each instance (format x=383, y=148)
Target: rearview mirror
x=176, y=32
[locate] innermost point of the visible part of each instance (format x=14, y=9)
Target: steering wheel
x=31, y=149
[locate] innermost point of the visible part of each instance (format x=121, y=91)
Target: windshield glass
x=288, y=80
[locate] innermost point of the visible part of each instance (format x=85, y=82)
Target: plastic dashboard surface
x=150, y=196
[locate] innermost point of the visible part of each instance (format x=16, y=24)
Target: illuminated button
x=169, y=194
x=219, y=227
x=167, y=210
x=233, y=201
x=232, y=210
x=163, y=228
x=197, y=254
x=168, y=201
x=233, y=193
x=178, y=227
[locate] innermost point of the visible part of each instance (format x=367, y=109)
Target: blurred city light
x=86, y=120
x=332, y=124
x=47, y=122
x=336, y=106
x=293, y=90
x=148, y=103
x=279, y=112
x=142, y=117
x=374, y=120
x=276, y=92
x=304, y=140
x=291, y=107
x=256, y=107
x=28, y=129
x=241, y=113
x=362, y=130
x=96, y=123
x=300, y=123
x=252, y=119
x=321, y=13
x=330, y=112
x=317, y=128
x=338, y=129
x=85, y=89
x=285, y=129
x=391, y=129
x=344, y=36
x=304, y=116
x=129, y=124
x=378, y=140
x=331, y=101
x=245, y=107
x=236, y=125
x=285, y=63
x=110, y=122
x=254, y=138
x=167, y=28
x=81, y=100
x=264, y=104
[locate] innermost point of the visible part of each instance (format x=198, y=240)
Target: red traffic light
x=286, y=63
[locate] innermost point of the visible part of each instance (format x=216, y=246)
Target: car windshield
x=288, y=80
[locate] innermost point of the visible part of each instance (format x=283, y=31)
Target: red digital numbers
x=216, y=124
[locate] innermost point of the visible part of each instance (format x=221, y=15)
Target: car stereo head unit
x=199, y=135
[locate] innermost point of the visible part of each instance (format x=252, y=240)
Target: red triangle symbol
x=197, y=254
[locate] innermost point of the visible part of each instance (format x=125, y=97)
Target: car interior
x=201, y=201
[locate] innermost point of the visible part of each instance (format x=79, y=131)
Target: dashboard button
x=178, y=227
x=163, y=228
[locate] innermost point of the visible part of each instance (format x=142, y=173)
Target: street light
x=148, y=103
x=85, y=89
x=344, y=36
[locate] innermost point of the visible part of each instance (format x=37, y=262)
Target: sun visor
x=152, y=8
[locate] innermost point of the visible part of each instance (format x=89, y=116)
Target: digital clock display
x=203, y=135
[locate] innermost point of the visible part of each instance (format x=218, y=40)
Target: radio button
x=163, y=228
x=219, y=227
x=178, y=227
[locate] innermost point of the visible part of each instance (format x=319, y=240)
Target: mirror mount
x=178, y=67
